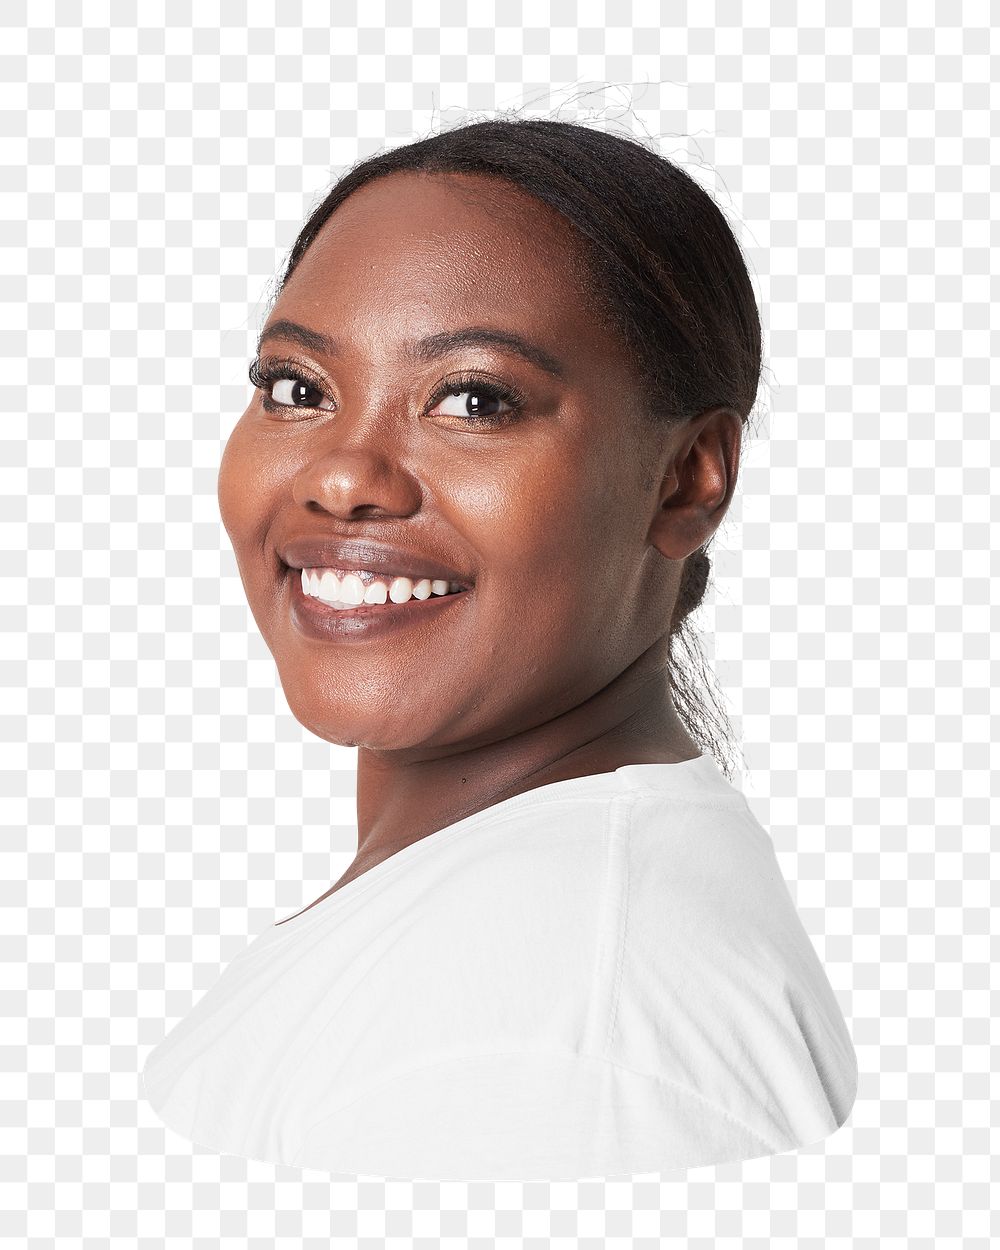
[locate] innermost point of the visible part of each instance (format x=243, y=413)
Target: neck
x=632, y=720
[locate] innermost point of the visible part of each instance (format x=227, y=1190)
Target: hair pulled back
x=662, y=270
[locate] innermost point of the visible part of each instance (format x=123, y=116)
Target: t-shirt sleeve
x=526, y=1116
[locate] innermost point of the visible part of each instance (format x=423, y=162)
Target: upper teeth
x=363, y=586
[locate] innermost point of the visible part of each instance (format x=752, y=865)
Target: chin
x=373, y=719
x=345, y=732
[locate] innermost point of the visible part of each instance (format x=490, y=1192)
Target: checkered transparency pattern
x=161, y=805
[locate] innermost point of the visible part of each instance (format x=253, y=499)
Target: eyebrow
x=426, y=349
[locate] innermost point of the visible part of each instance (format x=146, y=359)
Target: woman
x=499, y=409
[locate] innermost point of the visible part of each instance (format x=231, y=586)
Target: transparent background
x=162, y=806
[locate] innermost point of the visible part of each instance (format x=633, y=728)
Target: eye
x=286, y=386
x=478, y=402
x=288, y=391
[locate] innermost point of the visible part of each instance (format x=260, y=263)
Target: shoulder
x=720, y=986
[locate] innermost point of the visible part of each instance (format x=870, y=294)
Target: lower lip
x=319, y=620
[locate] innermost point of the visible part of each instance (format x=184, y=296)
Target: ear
x=701, y=464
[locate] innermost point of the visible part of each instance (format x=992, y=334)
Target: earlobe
x=676, y=533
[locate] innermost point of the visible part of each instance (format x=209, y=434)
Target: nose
x=357, y=474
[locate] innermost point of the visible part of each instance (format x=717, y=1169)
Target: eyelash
x=267, y=370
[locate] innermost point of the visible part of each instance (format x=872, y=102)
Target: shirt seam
x=687, y=1090
x=624, y=823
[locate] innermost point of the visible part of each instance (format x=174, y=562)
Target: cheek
x=248, y=487
x=564, y=524
x=245, y=482
x=551, y=547
x=231, y=472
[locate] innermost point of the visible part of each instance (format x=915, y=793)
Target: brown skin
x=573, y=519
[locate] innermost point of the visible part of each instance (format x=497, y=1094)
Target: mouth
x=330, y=606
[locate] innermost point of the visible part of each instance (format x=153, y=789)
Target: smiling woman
x=497, y=424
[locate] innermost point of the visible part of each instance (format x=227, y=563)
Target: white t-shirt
x=600, y=977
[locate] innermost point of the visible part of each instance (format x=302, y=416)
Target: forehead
x=427, y=250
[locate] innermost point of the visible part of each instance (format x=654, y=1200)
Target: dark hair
x=663, y=271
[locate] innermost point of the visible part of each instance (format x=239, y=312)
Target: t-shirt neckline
x=693, y=777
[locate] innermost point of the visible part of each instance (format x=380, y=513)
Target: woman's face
x=543, y=512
